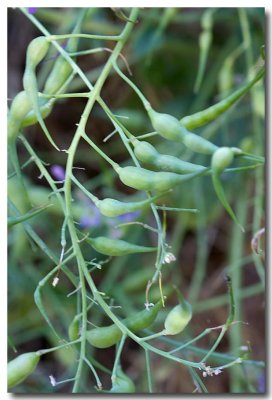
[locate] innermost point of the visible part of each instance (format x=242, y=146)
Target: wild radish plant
x=101, y=260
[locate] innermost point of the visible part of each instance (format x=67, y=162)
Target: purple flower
x=128, y=217
x=58, y=172
x=32, y=10
x=91, y=218
x=261, y=383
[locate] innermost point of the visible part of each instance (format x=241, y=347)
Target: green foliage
x=131, y=175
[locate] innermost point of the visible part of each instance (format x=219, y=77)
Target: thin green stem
x=82, y=268
x=52, y=38
x=67, y=344
x=148, y=372
x=117, y=358
x=98, y=150
x=144, y=100
x=98, y=382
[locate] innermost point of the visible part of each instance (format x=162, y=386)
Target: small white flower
x=244, y=348
x=52, y=380
x=168, y=258
x=217, y=371
x=239, y=360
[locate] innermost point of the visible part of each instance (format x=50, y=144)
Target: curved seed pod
x=199, y=144
x=147, y=153
x=167, y=126
x=122, y=383
x=58, y=75
x=221, y=159
x=178, y=318
x=107, y=336
x=20, y=107
x=36, y=51
x=21, y=367
x=144, y=179
x=62, y=69
x=209, y=114
x=116, y=247
x=114, y=208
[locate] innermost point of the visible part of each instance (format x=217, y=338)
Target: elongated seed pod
x=59, y=74
x=170, y=128
x=62, y=69
x=107, y=336
x=113, y=208
x=122, y=383
x=36, y=51
x=20, y=107
x=199, y=145
x=209, y=114
x=116, y=247
x=147, y=153
x=167, y=126
x=178, y=318
x=21, y=367
x=144, y=179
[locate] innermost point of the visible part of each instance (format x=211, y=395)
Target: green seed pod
x=147, y=153
x=122, y=383
x=178, y=318
x=114, y=208
x=20, y=106
x=107, y=336
x=221, y=159
x=173, y=164
x=21, y=367
x=74, y=329
x=36, y=51
x=116, y=247
x=58, y=75
x=167, y=126
x=45, y=109
x=199, y=144
x=211, y=113
x=143, y=179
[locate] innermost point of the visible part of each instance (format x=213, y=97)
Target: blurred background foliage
x=163, y=54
